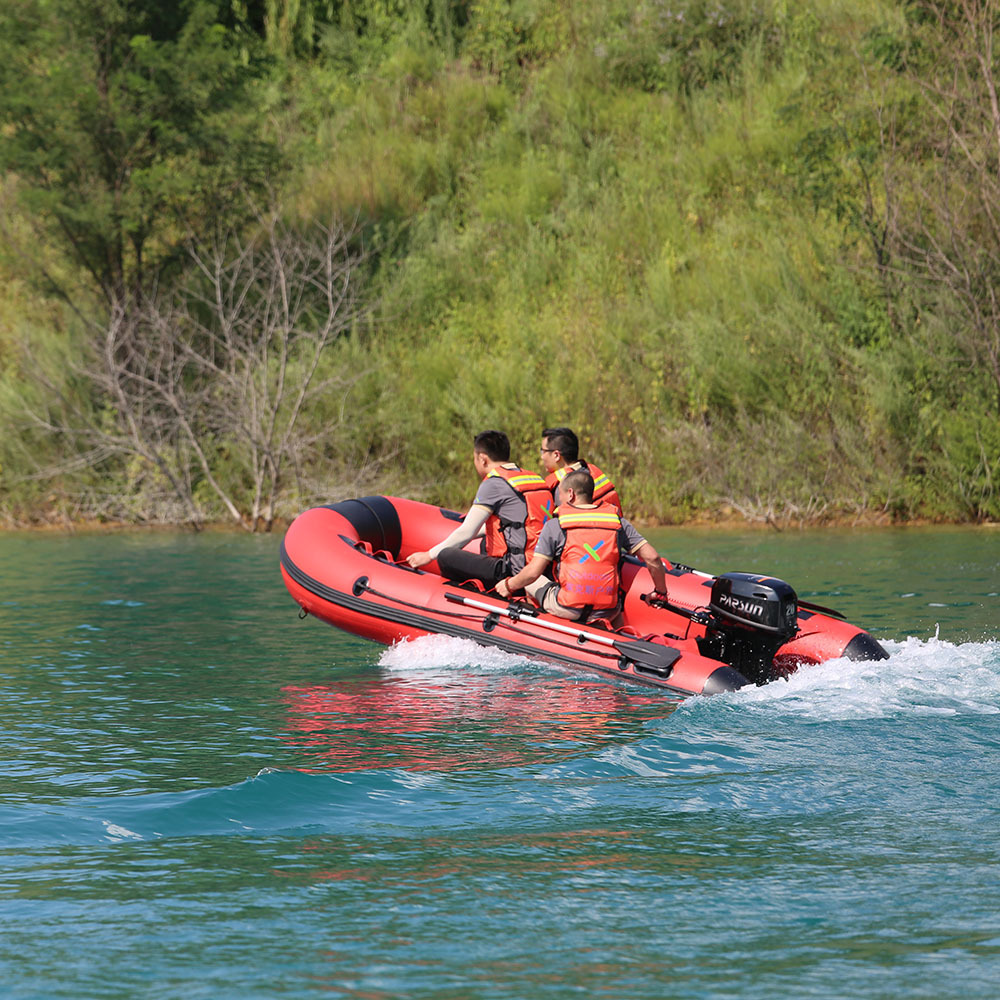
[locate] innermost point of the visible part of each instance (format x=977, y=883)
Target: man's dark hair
x=581, y=483
x=495, y=445
x=563, y=440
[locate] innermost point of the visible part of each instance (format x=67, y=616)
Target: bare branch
x=209, y=385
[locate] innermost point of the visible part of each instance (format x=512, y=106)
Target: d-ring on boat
x=346, y=565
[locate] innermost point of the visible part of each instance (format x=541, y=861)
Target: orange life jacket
x=588, y=565
x=540, y=508
x=604, y=489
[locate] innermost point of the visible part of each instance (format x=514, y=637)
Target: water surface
x=204, y=796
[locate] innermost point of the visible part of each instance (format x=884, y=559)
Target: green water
x=203, y=796
x=897, y=583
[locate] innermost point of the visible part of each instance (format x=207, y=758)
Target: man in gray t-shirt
x=495, y=498
x=552, y=539
x=578, y=492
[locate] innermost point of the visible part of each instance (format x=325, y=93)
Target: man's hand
x=418, y=559
x=502, y=589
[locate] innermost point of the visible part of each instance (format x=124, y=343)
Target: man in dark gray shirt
x=498, y=507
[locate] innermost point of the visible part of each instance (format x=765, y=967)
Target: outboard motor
x=750, y=617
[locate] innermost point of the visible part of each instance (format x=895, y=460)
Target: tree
x=129, y=125
x=207, y=386
x=254, y=331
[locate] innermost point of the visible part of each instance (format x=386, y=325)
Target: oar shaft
x=529, y=619
x=648, y=656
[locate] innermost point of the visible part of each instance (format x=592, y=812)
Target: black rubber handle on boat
x=700, y=617
x=651, y=657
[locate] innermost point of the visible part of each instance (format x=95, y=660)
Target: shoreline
x=705, y=521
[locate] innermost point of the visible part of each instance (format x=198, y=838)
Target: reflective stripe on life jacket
x=604, y=489
x=538, y=500
x=588, y=564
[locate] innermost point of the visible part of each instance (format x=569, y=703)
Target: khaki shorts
x=546, y=594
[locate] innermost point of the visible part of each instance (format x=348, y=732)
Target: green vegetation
x=263, y=254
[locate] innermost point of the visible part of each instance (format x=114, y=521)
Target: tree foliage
x=127, y=127
x=951, y=239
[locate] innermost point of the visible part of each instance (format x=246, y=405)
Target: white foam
x=921, y=677
x=416, y=779
x=116, y=833
x=432, y=652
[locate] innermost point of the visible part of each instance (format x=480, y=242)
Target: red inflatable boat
x=346, y=565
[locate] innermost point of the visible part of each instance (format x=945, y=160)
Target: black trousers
x=458, y=565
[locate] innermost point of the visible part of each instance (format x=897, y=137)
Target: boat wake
x=562, y=745
x=921, y=677
x=443, y=652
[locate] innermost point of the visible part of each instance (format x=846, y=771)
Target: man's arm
x=529, y=574
x=654, y=564
x=465, y=532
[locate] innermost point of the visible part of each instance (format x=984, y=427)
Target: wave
x=273, y=802
x=279, y=803
x=821, y=739
x=436, y=652
x=921, y=677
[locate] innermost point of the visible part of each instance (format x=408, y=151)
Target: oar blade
x=809, y=606
x=649, y=657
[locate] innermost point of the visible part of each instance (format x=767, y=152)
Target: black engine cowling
x=750, y=617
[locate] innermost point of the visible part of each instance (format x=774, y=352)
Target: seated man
x=560, y=452
x=512, y=505
x=585, y=541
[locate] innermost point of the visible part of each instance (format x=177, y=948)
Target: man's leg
x=458, y=565
x=544, y=592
